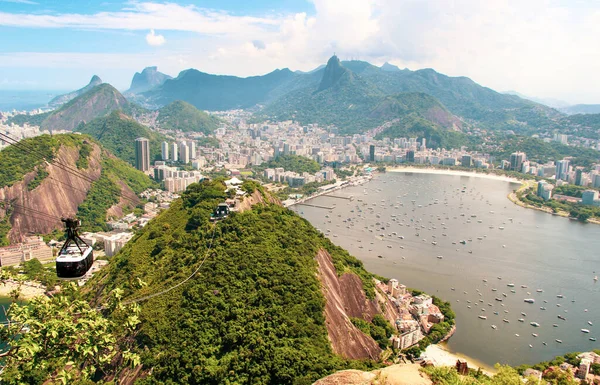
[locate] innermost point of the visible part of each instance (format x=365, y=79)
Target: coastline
x=440, y=171
x=440, y=355
x=29, y=290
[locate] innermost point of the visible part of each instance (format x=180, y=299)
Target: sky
x=540, y=48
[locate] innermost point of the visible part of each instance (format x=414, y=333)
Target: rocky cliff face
x=37, y=211
x=149, y=78
x=345, y=298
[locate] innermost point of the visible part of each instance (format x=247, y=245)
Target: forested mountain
x=117, y=133
x=62, y=99
x=216, y=92
x=41, y=193
x=97, y=102
x=256, y=311
x=351, y=88
x=149, y=78
x=183, y=116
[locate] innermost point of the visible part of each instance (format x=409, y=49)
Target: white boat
x=440, y=257
x=510, y=284
x=592, y=339
x=533, y=334
x=559, y=341
x=521, y=320
x=482, y=317
x=529, y=300
x=494, y=326
x=590, y=323
x=560, y=296
x=505, y=320
x=540, y=290
x=523, y=286
x=585, y=331
x=534, y=324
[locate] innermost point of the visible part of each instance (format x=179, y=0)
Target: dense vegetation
x=295, y=163
x=505, y=375
x=379, y=329
x=32, y=120
x=4, y=229
x=99, y=101
x=412, y=126
x=575, y=210
x=19, y=160
x=208, y=141
x=254, y=312
x=106, y=191
x=583, y=125
x=540, y=151
x=183, y=116
x=117, y=132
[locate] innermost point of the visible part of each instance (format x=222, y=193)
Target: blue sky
x=542, y=48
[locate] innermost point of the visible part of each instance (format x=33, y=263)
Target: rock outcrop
x=65, y=98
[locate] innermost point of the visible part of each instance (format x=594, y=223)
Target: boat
x=555, y=325
x=494, y=327
x=453, y=289
x=440, y=257
x=524, y=314
x=585, y=330
x=540, y=290
x=590, y=323
x=496, y=313
x=559, y=341
x=529, y=300
x=521, y=320
x=516, y=335
x=533, y=334
x=494, y=289
x=510, y=285
x=482, y=317
x=523, y=286
x=534, y=324
x=498, y=299
x=544, y=343
x=562, y=318
x=542, y=308
x=530, y=345
x=560, y=296
x=505, y=320
x=592, y=339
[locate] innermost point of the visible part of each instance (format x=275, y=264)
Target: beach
x=29, y=290
x=440, y=355
x=439, y=171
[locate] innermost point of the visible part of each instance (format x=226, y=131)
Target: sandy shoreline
x=438, y=171
x=29, y=290
x=440, y=355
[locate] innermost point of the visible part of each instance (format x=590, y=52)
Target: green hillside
x=117, y=133
x=180, y=115
x=97, y=102
x=253, y=314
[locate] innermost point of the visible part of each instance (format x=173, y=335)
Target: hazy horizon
x=542, y=48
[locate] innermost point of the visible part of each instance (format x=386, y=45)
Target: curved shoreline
x=441, y=171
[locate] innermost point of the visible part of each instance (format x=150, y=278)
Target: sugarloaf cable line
x=63, y=167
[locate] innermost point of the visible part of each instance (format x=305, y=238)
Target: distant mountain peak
x=62, y=99
x=389, y=67
x=149, y=78
x=332, y=74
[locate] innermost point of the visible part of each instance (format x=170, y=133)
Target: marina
x=397, y=217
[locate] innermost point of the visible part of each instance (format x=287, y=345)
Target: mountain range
x=65, y=98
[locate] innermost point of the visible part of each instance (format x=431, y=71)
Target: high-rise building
x=165, y=150
x=516, y=160
x=579, y=177
x=410, y=156
x=466, y=161
x=596, y=181
x=562, y=169
x=372, y=153
x=192, y=146
x=423, y=144
x=184, y=153
x=142, y=154
x=589, y=197
x=286, y=149
x=174, y=152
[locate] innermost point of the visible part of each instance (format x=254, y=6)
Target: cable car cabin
x=221, y=212
x=75, y=258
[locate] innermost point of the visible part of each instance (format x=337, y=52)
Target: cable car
x=221, y=212
x=75, y=258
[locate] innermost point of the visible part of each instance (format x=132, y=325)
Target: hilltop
x=34, y=187
x=117, y=133
x=149, y=78
x=271, y=302
x=180, y=115
x=97, y=102
x=65, y=98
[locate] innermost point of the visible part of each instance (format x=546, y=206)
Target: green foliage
x=117, y=133
x=39, y=178
x=379, y=329
x=253, y=313
x=92, y=211
x=183, y=116
x=66, y=340
x=208, y=141
x=250, y=186
x=16, y=161
x=32, y=120
x=505, y=375
x=570, y=190
x=84, y=152
x=136, y=180
x=540, y=151
x=35, y=271
x=575, y=210
x=4, y=230
x=295, y=163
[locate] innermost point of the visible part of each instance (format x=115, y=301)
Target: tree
x=63, y=339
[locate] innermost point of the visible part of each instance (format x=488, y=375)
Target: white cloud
x=154, y=40
x=542, y=48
